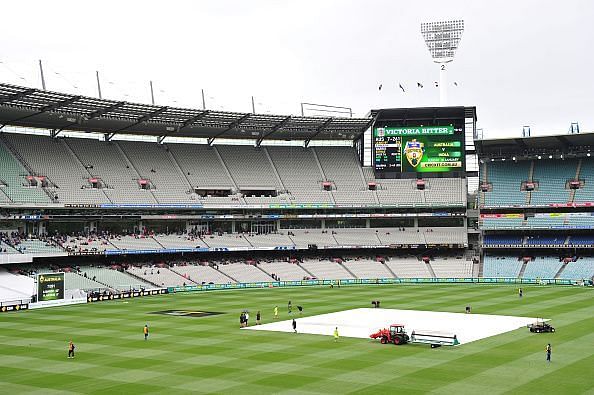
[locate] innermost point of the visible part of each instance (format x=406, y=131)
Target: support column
x=323, y=224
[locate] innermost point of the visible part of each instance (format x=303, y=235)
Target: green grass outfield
x=211, y=355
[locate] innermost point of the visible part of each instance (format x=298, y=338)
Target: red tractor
x=396, y=334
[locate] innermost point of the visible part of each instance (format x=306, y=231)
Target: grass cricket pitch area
x=195, y=353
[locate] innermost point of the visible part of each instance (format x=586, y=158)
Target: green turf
x=211, y=355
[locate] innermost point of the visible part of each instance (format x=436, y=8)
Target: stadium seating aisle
x=91, y=244
x=341, y=167
x=201, y=273
x=501, y=266
x=226, y=240
x=201, y=165
x=7, y=249
x=159, y=276
x=451, y=267
x=300, y=174
x=366, y=268
x=270, y=240
x=12, y=175
x=135, y=243
x=76, y=281
x=400, y=192
x=51, y=158
x=586, y=194
x=506, y=180
x=249, y=167
x=408, y=267
x=552, y=175
x=542, y=267
x=305, y=237
x=581, y=240
x=284, y=271
x=242, y=272
x=105, y=162
x=355, y=236
x=115, y=279
x=324, y=269
x=583, y=268
x=179, y=241
x=154, y=163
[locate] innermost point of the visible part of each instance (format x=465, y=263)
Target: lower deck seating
x=409, y=267
x=86, y=244
x=179, y=241
x=201, y=274
x=581, y=269
x=244, y=273
x=542, y=267
x=501, y=266
x=284, y=271
x=160, y=276
x=135, y=243
x=326, y=270
x=366, y=268
x=115, y=279
x=452, y=267
x=76, y=281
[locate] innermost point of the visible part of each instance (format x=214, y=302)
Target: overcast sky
x=519, y=62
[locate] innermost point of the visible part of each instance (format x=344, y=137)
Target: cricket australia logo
x=414, y=152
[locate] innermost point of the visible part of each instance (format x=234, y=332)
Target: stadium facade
x=240, y=197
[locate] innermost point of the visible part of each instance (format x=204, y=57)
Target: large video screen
x=50, y=286
x=418, y=149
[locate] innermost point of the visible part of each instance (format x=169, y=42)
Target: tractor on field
x=540, y=326
x=396, y=335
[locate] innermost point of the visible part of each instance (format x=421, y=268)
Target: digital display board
x=50, y=286
x=418, y=149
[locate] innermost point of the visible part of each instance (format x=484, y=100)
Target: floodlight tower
x=442, y=39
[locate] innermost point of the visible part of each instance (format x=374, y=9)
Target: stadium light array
x=442, y=39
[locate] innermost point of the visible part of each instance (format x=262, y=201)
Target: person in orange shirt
x=70, y=349
x=145, y=331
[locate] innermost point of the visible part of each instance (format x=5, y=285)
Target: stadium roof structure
x=30, y=107
x=436, y=114
x=566, y=143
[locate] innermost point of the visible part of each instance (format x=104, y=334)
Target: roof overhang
x=28, y=107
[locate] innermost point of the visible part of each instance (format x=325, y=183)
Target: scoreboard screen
x=418, y=149
x=50, y=286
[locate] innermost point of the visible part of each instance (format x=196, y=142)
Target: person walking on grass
x=258, y=317
x=145, y=330
x=275, y=312
x=294, y=325
x=548, y=351
x=335, y=334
